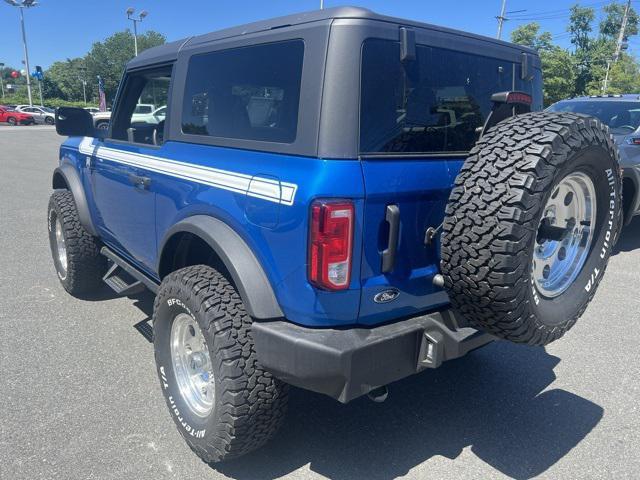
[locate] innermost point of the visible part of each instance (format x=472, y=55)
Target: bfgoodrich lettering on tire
x=530, y=225
x=222, y=401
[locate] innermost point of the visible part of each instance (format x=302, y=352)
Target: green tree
x=580, y=26
x=624, y=76
x=108, y=58
x=558, y=73
x=610, y=25
x=530, y=36
x=580, y=29
x=558, y=65
x=63, y=79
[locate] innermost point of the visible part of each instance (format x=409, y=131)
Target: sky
x=60, y=29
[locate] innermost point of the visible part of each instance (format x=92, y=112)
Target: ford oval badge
x=386, y=296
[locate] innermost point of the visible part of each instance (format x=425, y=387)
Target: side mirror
x=74, y=122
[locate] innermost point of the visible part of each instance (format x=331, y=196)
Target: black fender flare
x=633, y=174
x=243, y=266
x=71, y=178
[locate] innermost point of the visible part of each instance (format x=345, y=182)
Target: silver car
x=622, y=114
x=42, y=115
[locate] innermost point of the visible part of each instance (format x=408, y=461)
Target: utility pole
x=1, y=80
x=623, y=27
x=501, y=18
x=619, y=46
x=321, y=4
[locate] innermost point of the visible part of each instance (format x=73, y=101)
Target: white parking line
x=24, y=128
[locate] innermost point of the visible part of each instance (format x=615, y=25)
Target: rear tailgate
x=419, y=189
x=419, y=114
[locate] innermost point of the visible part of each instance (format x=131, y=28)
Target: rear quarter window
x=250, y=93
x=434, y=104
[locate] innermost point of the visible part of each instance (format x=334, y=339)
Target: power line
x=559, y=11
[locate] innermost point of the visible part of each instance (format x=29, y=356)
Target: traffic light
x=38, y=74
x=625, y=43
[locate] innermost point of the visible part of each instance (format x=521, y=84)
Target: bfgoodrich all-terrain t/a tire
x=530, y=225
x=75, y=252
x=222, y=401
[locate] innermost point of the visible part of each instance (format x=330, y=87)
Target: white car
x=155, y=117
x=92, y=110
x=43, y=115
x=143, y=113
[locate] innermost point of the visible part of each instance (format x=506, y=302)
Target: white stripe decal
x=259, y=187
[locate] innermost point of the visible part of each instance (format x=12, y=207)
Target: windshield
x=48, y=110
x=621, y=117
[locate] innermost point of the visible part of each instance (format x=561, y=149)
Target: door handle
x=139, y=181
x=392, y=217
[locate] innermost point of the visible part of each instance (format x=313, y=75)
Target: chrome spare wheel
x=61, y=247
x=565, y=234
x=192, y=365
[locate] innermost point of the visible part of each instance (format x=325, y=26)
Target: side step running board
x=124, y=278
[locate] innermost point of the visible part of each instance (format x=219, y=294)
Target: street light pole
x=130, y=12
x=26, y=55
x=83, y=71
x=1, y=80
x=22, y=4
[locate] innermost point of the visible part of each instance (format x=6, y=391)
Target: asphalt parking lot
x=79, y=396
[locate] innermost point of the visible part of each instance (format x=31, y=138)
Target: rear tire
x=76, y=253
x=221, y=400
x=530, y=225
x=12, y=121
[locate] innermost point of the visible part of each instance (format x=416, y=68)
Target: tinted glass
x=433, y=104
x=143, y=93
x=248, y=93
x=622, y=117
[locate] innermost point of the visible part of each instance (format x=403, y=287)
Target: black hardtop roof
x=169, y=51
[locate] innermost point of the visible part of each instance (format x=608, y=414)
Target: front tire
x=530, y=225
x=48, y=120
x=221, y=400
x=75, y=252
x=12, y=121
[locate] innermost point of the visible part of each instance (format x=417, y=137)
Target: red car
x=13, y=117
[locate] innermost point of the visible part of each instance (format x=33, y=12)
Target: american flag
x=103, y=97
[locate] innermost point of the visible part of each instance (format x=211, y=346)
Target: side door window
x=123, y=182
x=143, y=93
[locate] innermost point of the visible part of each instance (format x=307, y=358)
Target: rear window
x=250, y=93
x=622, y=117
x=434, y=104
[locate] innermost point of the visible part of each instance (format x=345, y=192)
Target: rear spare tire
x=530, y=224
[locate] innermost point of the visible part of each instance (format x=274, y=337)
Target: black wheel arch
x=66, y=177
x=233, y=252
x=630, y=193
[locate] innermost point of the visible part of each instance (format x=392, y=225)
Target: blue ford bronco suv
x=333, y=200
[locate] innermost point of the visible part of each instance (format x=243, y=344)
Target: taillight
x=633, y=141
x=519, y=97
x=330, y=244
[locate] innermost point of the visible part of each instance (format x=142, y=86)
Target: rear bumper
x=348, y=363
